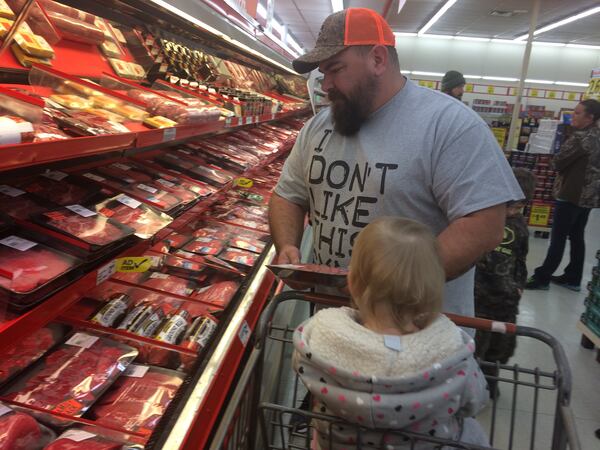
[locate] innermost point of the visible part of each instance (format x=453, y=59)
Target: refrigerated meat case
x=189, y=418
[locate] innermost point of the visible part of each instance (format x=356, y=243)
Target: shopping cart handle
x=483, y=324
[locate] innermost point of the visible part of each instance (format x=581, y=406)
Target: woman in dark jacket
x=577, y=191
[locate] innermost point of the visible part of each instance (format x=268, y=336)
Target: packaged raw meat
x=72, y=101
x=217, y=294
x=113, y=311
x=204, y=246
x=173, y=241
x=18, y=357
x=241, y=258
x=138, y=399
x=151, y=324
x=20, y=431
x=75, y=29
x=142, y=218
x=169, y=284
x=174, y=327
x=252, y=245
x=197, y=338
x=14, y=130
x=45, y=133
x=29, y=271
x=18, y=204
x=78, y=439
x=210, y=175
x=60, y=188
x=311, y=274
x=94, y=231
x=71, y=378
x=75, y=13
x=187, y=269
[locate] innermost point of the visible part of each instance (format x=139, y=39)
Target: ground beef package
x=217, y=294
x=19, y=204
x=78, y=439
x=71, y=378
x=60, y=188
x=20, y=431
x=20, y=356
x=29, y=271
x=138, y=399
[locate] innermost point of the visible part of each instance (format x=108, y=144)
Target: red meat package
x=17, y=358
x=145, y=220
x=56, y=187
x=93, y=229
x=138, y=399
x=77, y=439
x=29, y=271
x=71, y=378
x=204, y=246
x=172, y=242
x=18, y=204
x=217, y=294
x=20, y=431
x=170, y=284
x=184, y=268
x=253, y=245
x=241, y=258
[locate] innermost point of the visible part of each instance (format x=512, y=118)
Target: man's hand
x=288, y=254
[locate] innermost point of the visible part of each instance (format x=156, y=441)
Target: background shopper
x=364, y=157
x=453, y=84
x=577, y=191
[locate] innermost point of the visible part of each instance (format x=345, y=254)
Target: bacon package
x=72, y=377
x=29, y=271
x=138, y=399
x=20, y=431
x=94, y=230
x=145, y=220
x=27, y=351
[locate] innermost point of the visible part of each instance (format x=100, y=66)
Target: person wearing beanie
x=453, y=84
x=388, y=147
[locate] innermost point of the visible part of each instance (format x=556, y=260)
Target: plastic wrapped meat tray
x=207, y=174
x=138, y=399
x=94, y=231
x=27, y=351
x=20, y=205
x=218, y=294
x=29, y=271
x=58, y=188
x=311, y=274
x=71, y=378
x=20, y=431
x=164, y=282
x=145, y=220
x=77, y=439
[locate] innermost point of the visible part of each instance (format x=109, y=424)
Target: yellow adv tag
x=242, y=182
x=135, y=263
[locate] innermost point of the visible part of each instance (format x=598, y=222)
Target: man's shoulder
x=317, y=122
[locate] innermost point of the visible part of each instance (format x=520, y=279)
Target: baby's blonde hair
x=395, y=262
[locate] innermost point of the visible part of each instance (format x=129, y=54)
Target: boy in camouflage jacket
x=500, y=277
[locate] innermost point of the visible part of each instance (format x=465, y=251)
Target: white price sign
x=76, y=435
x=128, y=201
x=121, y=166
x=10, y=191
x=82, y=211
x=145, y=187
x=244, y=333
x=165, y=183
x=82, y=340
x=136, y=371
x=105, y=272
x=94, y=177
x=55, y=175
x=169, y=134
x=17, y=243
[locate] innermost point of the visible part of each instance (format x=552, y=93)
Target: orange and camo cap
x=352, y=26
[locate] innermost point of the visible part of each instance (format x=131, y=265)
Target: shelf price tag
x=534, y=93
x=248, y=120
x=469, y=87
x=490, y=89
x=128, y=201
x=245, y=333
x=228, y=122
x=551, y=94
x=105, y=272
x=169, y=134
x=55, y=175
x=540, y=215
x=572, y=96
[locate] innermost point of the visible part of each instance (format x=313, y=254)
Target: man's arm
x=466, y=239
x=287, y=226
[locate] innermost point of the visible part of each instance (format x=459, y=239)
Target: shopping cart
x=269, y=407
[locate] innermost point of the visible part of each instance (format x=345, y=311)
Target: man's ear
x=379, y=59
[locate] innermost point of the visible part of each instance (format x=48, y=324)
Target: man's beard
x=352, y=110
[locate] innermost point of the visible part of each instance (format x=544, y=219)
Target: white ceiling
x=465, y=18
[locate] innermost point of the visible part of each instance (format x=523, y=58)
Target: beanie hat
x=451, y=80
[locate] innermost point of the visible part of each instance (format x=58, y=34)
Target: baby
x=393, y=361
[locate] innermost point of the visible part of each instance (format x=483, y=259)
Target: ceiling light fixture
x=337, y=5
x=436, y=17
x=549, y=44
x=401, y=33
x=475, y=77
x=507, y=41
x=529, y=80
x=562, y=22
x=585, y=47
x=438, y=36
x=500, y=78
x=427, y=74
x=469, y=38
x=570, y=83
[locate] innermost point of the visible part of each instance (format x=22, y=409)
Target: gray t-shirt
x=423, y=156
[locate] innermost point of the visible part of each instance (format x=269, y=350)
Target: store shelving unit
x=589, y=325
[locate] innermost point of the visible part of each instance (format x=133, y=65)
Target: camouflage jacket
x=501, y=274
x=578, y=166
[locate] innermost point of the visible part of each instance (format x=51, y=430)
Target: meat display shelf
x=26, y=155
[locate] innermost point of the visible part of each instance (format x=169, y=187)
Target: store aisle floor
x=557, y=312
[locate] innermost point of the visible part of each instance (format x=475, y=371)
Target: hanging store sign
x=551, y=94
x=468, y=87
x=593, y=89
x=534, y=93
x=490, y=89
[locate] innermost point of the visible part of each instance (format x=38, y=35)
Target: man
x=387, y=147
x=453, y=84
x=577, y=190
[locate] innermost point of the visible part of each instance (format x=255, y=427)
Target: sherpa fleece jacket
x=425, y=382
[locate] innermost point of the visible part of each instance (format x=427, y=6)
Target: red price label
x=69, y=407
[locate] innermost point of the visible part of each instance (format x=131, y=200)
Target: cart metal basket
x=269, y=407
